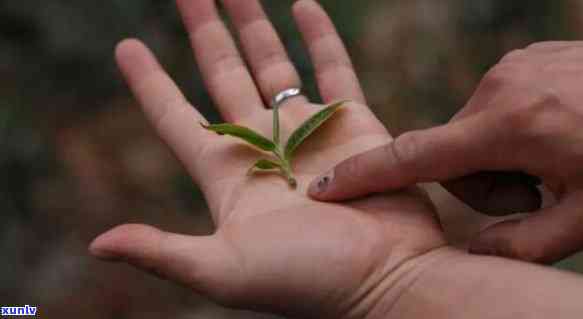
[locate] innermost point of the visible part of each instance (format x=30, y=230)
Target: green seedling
x=282, y=155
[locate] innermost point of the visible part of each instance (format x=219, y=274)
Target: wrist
x=382, y=301
x=448, y=283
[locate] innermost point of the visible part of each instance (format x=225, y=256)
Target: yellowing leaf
x=243, y=133
x=266, y=165
x=309, y=127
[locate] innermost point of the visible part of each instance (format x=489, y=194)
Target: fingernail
x=100, y=252
x=322, y=183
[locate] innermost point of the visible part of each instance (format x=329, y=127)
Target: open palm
x=274, y=248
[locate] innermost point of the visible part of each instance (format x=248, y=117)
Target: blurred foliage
x=78, y=157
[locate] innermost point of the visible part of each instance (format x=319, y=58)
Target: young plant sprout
x=282, y=155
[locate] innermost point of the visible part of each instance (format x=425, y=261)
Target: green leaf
x=309, y=127
x=243, y=133
x=266, y=165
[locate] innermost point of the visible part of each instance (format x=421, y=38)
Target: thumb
x=546, y=237
x=437, y=154
x=204, y=264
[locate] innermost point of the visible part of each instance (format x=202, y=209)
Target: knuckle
x=513, y=56
x=272, y=58
x=549, y=100
x=544, y=45
x=558, y=45
x=539, y=45
x=228, y=61
x=562, y=66
x=555, y=67
x=501, y=75
x=519, y=121
x=405, y=148
x=535, y=115
x=353, y=168
x=169, y=109
x=573, y=51
x=334, y=64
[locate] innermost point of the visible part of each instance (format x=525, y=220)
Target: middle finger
x=224, y=72
x=263, y=48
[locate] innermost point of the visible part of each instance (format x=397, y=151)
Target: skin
x=272, y=243
x=525, y=116
x=277, y=250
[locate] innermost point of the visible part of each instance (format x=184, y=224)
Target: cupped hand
x=525, y=117
x=274, y=248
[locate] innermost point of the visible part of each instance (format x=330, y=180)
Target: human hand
x=525, y=116
x=274, y=249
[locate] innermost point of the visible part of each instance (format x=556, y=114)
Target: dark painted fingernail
x=322, y=183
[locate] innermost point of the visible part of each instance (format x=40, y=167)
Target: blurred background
x=77, y=157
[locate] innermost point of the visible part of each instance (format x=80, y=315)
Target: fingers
x=270, y=64
x=163, y=103
x=201, y=263
x=223, y=69
x=437, y=154
x=547, y=237
x=334, y=71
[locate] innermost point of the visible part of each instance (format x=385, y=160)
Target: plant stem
x=286, y=168
x=276, y=131
x=289, y=175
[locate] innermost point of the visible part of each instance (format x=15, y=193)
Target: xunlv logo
x=18, y=311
